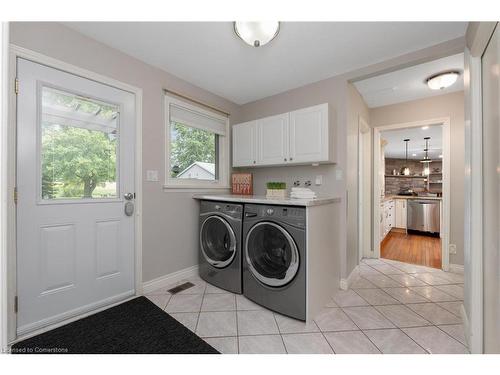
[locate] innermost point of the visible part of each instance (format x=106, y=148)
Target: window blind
x=197, y=119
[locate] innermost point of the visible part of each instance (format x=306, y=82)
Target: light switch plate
x=319, y=180
x=152, y=175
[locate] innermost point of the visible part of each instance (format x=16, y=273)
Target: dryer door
x=217, y=241
x=271, y=254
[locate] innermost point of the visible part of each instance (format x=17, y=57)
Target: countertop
x=389, y=197
x=260, y=199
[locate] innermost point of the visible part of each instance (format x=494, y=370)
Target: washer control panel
x=290, y=214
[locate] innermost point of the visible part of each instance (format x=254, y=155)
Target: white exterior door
x=245, y=144
x=272, y=135
x=309, y=134
x=75, y=166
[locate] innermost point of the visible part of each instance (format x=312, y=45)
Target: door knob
x=128, y=196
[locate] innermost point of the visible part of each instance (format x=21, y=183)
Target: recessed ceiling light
x=413, y=154
x=425, y=127
x=441, y=156
x=257, y=34
x=443, y=80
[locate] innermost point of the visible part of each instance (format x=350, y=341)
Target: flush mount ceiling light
x=443, y=80
x=257, y=34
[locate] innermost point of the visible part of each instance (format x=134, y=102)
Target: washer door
x=217, y=241
x=271, y=254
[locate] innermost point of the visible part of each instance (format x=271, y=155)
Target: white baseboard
x=465, y=320
x=346, y=283
x=457, y=268
x=168, y=280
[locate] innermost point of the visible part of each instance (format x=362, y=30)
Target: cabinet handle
x=254, y=161
x=284, y=159
x=291, y=159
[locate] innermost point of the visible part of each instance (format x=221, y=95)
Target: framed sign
x=241, y=184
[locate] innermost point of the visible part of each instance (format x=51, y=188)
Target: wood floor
x=412, y=248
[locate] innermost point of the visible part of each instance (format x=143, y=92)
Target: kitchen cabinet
x=387, y=218
x=245, y=144
x=272, y=140
x=400, y=212
x=309, y=134
x=297, y=137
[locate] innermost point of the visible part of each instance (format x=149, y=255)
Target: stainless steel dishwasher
x=424, y=215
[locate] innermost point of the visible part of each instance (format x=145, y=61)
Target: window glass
x=79, y=143
x=193, y=153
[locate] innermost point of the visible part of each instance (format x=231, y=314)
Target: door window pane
x=79, y=144
x=193, y=152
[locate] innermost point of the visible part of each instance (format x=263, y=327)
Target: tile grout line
x=416, y=343
x=380, y=350
x=199, y=312
x=237, y=327
x=279, y=331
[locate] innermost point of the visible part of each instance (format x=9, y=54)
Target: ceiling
x=409, y=83
x=209, y=55
x=395, y=147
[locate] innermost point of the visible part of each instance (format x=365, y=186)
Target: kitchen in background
x=411, y=191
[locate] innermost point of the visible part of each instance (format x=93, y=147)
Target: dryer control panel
x=290, y=214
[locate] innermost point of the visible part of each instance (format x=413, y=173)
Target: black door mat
x=136, y=326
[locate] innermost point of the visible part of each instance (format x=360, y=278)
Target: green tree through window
x=77, y=163
x=190, y=145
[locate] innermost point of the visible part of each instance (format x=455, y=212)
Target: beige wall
x=334, y=92
x=356, y=108
x=170, y=220
x=452, y=106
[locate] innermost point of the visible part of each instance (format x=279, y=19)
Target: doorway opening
x=412, y=191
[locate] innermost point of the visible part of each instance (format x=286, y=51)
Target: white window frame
x=176, y=184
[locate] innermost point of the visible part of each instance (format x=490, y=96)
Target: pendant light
x=426, y=160
x=405, y=170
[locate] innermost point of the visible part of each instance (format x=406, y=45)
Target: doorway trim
x=364, y=199
x=16, y=52
x=445, y=203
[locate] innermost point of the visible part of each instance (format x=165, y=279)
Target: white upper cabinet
x=298, y=137
x=309, y=134
x=245, y=144
x=272, y=140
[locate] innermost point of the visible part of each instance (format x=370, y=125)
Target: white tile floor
x=392, y=307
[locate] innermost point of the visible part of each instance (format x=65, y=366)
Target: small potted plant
x=276, y=190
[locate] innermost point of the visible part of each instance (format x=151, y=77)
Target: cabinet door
x=272, y=140
x=398, y=212
x=403, y=214
x=309, y=134
x=244, y=144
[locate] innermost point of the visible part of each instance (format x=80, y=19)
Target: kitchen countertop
x=261, y=199
x=389, y=197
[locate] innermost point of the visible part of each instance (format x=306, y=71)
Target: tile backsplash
x=394, y=185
